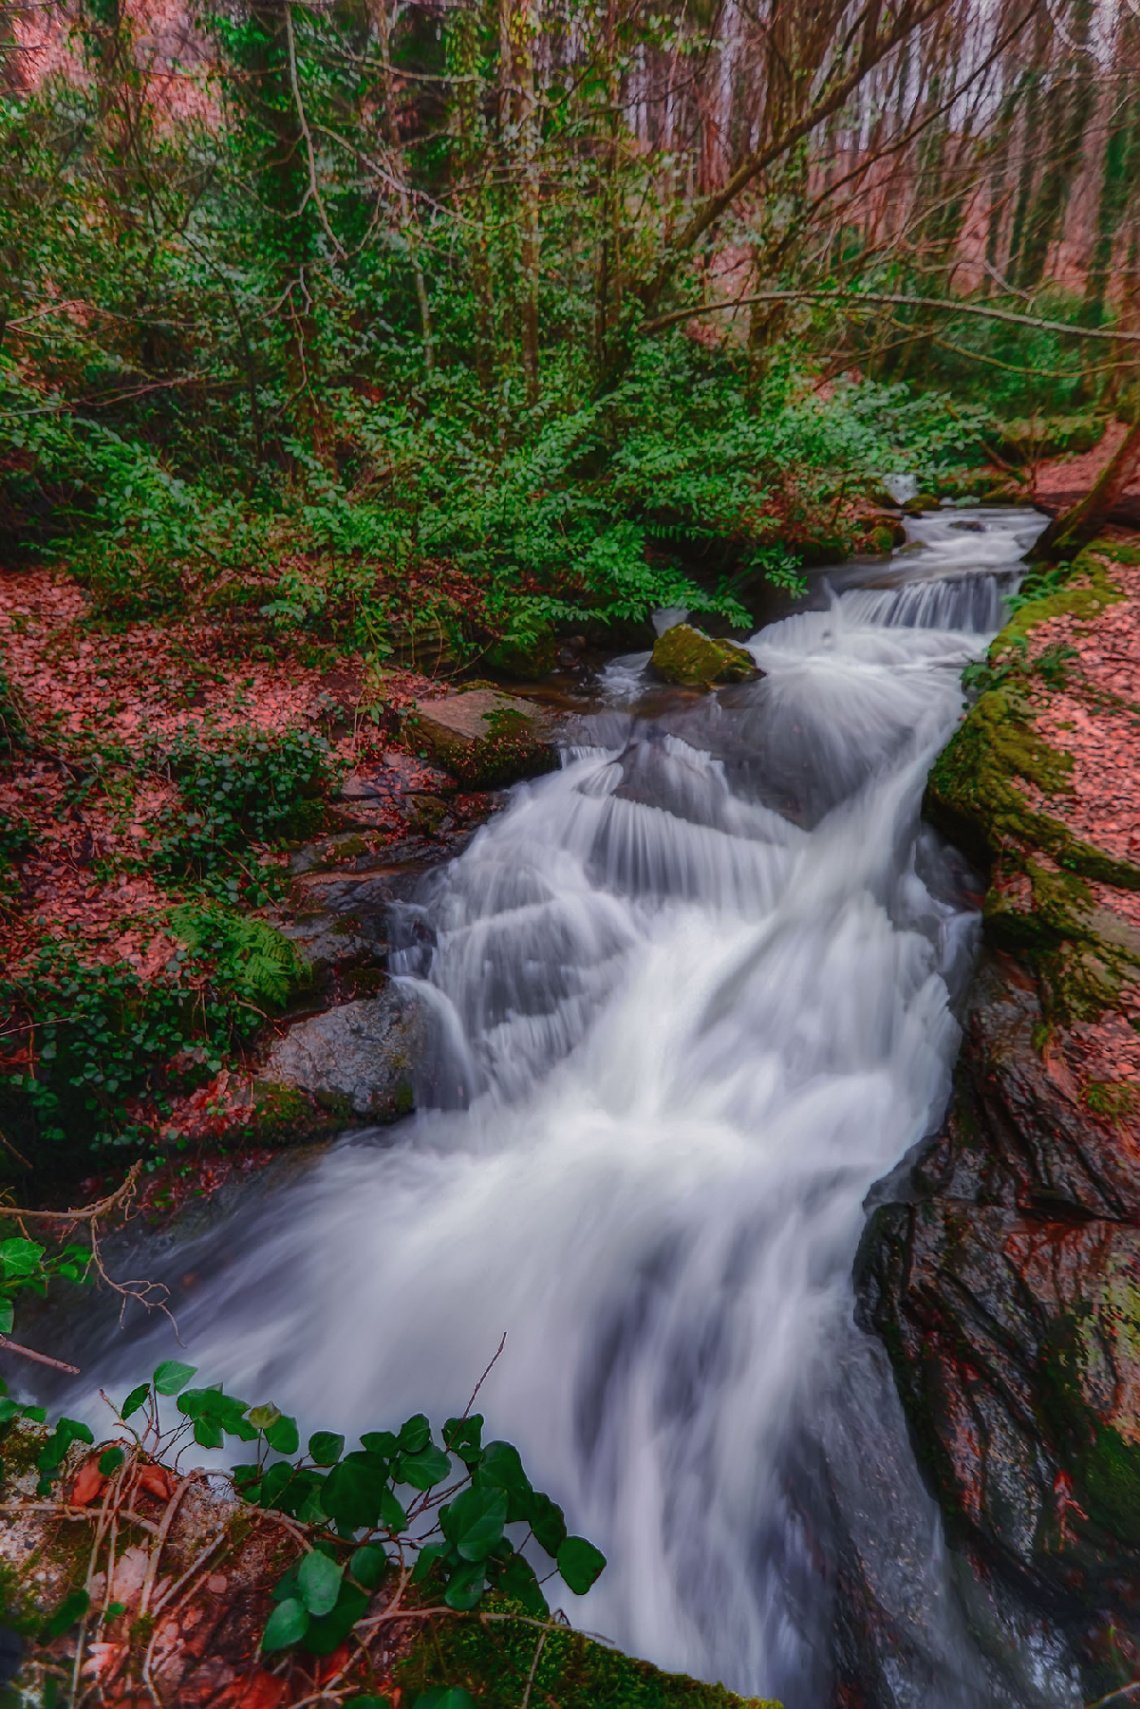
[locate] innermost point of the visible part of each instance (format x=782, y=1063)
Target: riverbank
x=1007, y=1287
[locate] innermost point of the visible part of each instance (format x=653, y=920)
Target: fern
x=248, y=956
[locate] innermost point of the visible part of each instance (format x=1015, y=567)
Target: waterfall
x=694, y=997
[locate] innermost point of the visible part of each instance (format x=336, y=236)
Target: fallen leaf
x=157, y=1481
x=88, y=1484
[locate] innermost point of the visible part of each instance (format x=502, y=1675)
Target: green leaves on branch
x=454, y=1510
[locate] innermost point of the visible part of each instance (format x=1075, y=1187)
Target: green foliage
x=447, y=1509
x=251, y=789
x=27, y=1267
x=104, y=1036
x=245, y=954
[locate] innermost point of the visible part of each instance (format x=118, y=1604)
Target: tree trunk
x=409, y=223
x=1075, y=527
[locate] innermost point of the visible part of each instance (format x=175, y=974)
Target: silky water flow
x=692, y=997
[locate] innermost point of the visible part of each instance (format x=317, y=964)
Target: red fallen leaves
x=157, y=1481
x=88, y=1484
x=260, y=1691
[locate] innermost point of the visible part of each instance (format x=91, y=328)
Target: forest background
x=417, y=335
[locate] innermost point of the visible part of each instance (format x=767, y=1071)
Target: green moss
x=493, y=1660
x=1115, y=1100
x=502, y=757
x=1082, y=590
x=283, y=1113
x=695, y=660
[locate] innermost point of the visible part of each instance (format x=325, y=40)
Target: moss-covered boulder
x=494, y=1658
x=688, y=656
x=483, y=737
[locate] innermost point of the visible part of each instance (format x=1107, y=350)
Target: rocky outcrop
x=354, y=1060
x=1007, y=1287
x=483, y=737
x=688, y=656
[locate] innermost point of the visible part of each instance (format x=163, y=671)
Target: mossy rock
x=483, y=737
x=283, y=1115
x=492, y=1659
x=688, y=656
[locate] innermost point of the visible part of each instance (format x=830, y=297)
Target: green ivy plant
x=254, y=789
x=442, y=1511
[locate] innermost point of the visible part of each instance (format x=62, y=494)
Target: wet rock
x=688, y=656
x=354, y=1060
x=485, y=738
x=328, y=940
x=1006, y=1287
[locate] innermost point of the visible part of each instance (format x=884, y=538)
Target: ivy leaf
x=548, y=1522
x=519, y=1581
x=20, y=1257
x=462, y=1437
x=110, y=1461
x=414, y=1435
x=7, y=1316
x=424, y=1469
x=134, y=1400
x=282, y=1435
x=352, y=1493
x=381, y=1443
x=171, y=1377
x=329, y=1632
x=368, y=1565
x=465, y=1586
x=475, y=1521
x=286, y=1625
x=428, y=1556
x=326, y=1448
x=445, y=1697
x=580, y=1564
x=318, y=1583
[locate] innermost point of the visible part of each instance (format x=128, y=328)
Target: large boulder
x=686, y=655
x=354, y=1060
x=485, y=738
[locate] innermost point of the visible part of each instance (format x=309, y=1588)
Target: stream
x=692, y=998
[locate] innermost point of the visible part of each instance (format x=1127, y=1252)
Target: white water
x=692, y=1002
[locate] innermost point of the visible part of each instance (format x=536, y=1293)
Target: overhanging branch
x=890, y=299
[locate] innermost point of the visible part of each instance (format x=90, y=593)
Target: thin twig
x=538, y=1649
x=10, y=1346
x=486, y=1374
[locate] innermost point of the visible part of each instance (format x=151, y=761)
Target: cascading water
x=692, y=999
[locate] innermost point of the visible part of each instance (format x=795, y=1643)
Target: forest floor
x=1062, y=481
